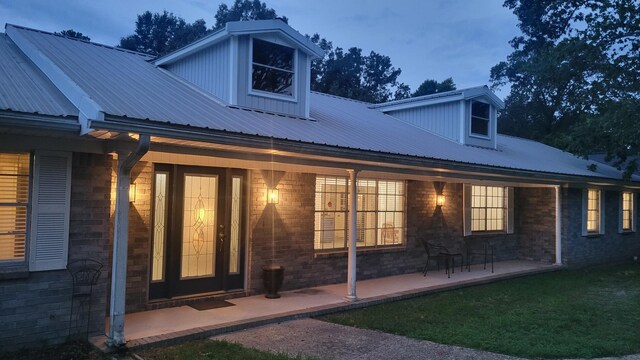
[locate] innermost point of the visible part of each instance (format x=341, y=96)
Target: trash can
x=273, y=276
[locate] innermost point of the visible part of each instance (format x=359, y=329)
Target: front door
x=197, y=230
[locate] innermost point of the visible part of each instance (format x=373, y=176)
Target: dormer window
x=272, y=68
x=480, y=116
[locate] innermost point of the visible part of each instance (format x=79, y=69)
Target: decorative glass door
x=197, y=232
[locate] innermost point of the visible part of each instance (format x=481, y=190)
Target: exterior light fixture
x=132, y=193
x=272, y=196
x=439, y=200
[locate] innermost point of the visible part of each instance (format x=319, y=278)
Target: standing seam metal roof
x=24, y=88
x=126, y=85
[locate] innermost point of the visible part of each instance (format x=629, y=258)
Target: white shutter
x=620, y=212
x=466, y=211
x=49, y=237
x=510, y=211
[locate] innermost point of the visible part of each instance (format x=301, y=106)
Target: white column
x=353, y=219
x=558, y=227
x=119, y=264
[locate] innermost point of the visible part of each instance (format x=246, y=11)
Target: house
x=185, y=175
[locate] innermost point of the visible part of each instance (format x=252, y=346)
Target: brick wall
x=283, y=233
x=535, y=216
x=35, y=310
x=578, y=250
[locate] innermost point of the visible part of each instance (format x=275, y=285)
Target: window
x=627, y=212
x=488, y=208
x=480, y=116
x=380, y=216
x=14, y=201
x=272, y=68
x=593, y=211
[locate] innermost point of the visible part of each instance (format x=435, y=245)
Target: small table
x=450, y=256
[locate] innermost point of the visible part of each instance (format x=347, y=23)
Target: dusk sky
x=427, y=39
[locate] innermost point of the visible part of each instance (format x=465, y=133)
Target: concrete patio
x=175, y=324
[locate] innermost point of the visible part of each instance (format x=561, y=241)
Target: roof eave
x=265, y=142
x=237, y=28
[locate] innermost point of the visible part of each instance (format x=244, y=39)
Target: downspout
x=126, y=161
x=558, y=226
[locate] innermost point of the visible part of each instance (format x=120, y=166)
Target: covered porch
x=185, y=322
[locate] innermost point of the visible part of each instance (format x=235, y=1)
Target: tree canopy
x=243, y=10
x=575, y=76
x=73, y=34
x=430, y=86
x=160, y=33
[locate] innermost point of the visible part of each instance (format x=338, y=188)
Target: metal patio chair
x=472, y=249
x=438, y=252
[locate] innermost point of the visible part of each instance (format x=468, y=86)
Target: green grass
x=571, y=313
x=209, y=349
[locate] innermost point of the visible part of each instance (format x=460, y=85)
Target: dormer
x=467, y=116
x=263, y=65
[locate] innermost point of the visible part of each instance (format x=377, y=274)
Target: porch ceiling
x=189, y=152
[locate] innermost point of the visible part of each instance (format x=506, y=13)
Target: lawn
x=588, y=313
x=210, y=350
x=200, y=349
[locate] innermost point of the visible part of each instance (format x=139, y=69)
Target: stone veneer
x=34, y=310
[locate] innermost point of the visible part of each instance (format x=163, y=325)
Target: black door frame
x=172, y=286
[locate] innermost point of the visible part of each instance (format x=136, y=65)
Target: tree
x=371, y=78
x=430, y=86
x=73, y=34
x=243, y=10
x=160, y=33
x=574, y=75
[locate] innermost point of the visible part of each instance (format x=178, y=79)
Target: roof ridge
x=428, y=96
x=341, y=97
x=81, y=40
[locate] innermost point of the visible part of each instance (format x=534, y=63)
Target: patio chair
x=436, y=251
x=473, y=249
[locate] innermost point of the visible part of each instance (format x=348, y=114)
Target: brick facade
x=578, y=250
x=35, y=310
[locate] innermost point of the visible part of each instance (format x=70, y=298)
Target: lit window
x=593, y=211
x=488, y=208
x=14, y=201
x=480, y=115
x=272, y=69
x=627, y=211
x=380, y=216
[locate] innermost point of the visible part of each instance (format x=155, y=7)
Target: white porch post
x=558, y=227
x=120, y=241
x=353, y=217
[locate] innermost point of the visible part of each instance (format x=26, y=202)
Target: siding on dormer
x=265, y=103
x=207, y=69
x=442, y=119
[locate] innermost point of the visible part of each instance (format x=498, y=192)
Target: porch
x=185, y=322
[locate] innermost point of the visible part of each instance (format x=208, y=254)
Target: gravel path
x=323, y=340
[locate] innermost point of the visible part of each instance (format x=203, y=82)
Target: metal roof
x=124, y=84
x=24, y=88
x=453, y=95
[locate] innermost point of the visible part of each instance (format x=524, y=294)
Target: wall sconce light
x=439, y=200
x=132, y=193
x=273, y=196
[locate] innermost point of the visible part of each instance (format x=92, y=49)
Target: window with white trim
x=593, y=211
x=380, y=216
x=15, y=171
x=480, y=118
x=488, y=208
x=627, y=215
x=272, y=68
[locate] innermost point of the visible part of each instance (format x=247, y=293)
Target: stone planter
x=273, y=276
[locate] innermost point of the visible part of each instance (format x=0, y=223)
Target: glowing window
x=593, y=211
x=488, y=208
x=14, y=201
x=627, y=211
